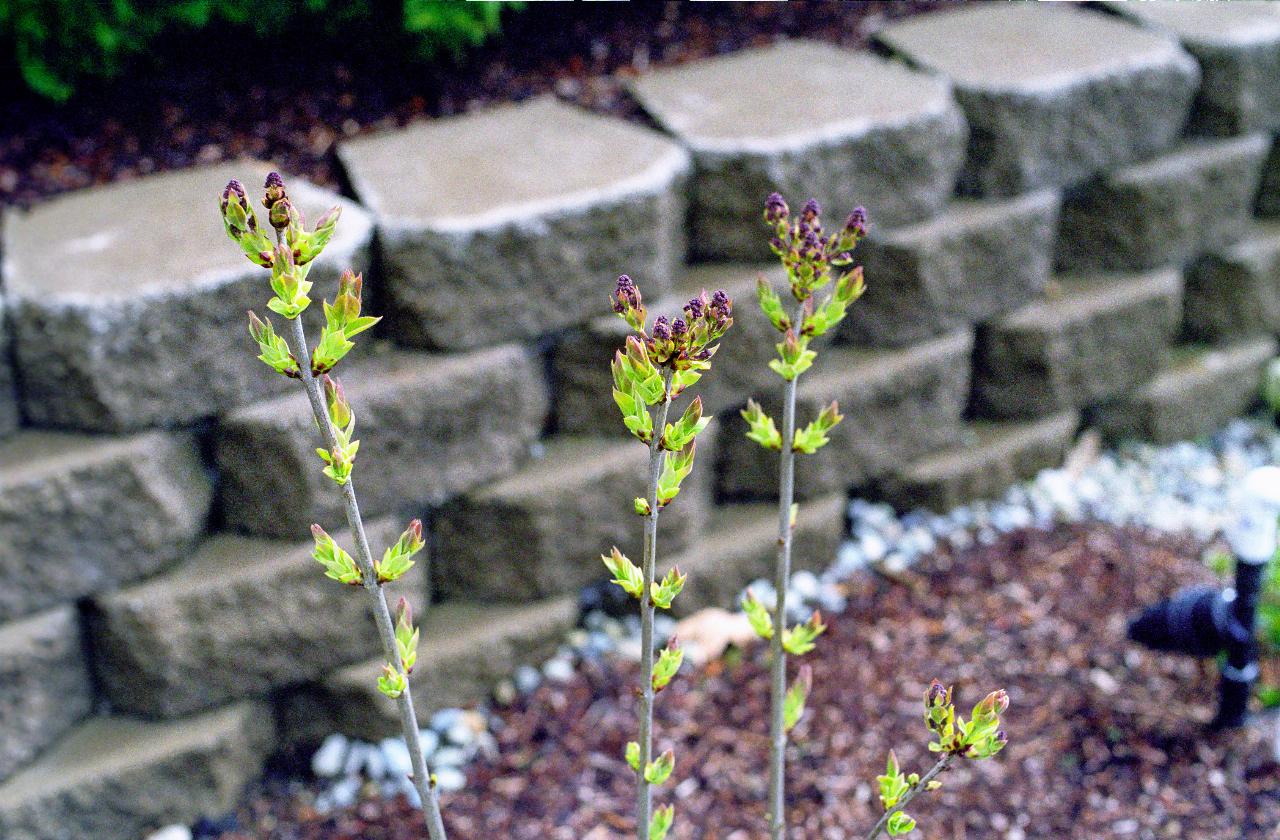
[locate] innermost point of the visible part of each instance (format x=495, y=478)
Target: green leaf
x=801, y=639
x=797, y=694
x=392, y=682
x=680, y=434
x=633, y=755
x=661, y=822
x=665, y=591
x=625, y=573
x=675, y=470
x=771, y=305
x=659, y=770
x=900, y=824
x=667, y=666
x=814, y=436
x=757, y=615
x=760, y=427
x=337, y=563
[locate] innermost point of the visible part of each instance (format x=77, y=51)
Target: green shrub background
x=58, y=44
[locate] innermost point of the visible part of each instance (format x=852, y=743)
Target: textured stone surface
x=1235, y=291
x=1238, y=47
x=808, y=120
x=1052, y=95
x=127, y=301
x=44, y=684
x=541, y=532
x=8, y=390
x=449, y=673
x=1098, y=336
x=240, y=618
x=741, y=545
x=513, y=222
x=992, y=457
x=84, y=514
x=1195, y=395
x=1268, y=203
x=121, y=779
x=898, y=405
x=1162, y=211
x=580, y=360
x=431, y=426
x=976, y=260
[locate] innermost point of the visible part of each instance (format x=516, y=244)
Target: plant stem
x=381, y=613
x=920, y=787
x=781, y=582
x=644, y=791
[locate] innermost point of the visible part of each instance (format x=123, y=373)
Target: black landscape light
x=1205, y=621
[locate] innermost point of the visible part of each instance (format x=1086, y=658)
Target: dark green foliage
x=57, y=43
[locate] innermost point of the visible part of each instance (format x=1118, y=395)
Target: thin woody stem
x=919, y=787
x=644, y=791
x=381, y=613
x=781, y=581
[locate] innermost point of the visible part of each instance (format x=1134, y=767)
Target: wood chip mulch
x=1106, y=739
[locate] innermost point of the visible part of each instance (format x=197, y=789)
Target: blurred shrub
x=57, y=43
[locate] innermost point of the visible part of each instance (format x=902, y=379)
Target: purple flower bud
x=274, y=186
x=625, y=295
x=695, y=308
x=775, y=209
x=235, y=188
x=721, y=304
x=661, y=328
x=811, y=211
x=679, y=327
x=857, y=222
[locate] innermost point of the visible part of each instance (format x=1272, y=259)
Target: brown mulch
x=1106, y=740
x=194, y=103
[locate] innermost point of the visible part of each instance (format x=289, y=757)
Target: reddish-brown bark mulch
x=1106, y=740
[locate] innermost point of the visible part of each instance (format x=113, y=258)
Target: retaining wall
x=1068, y=225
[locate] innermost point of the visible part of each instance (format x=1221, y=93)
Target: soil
x=191, y=104
x=1106, y=739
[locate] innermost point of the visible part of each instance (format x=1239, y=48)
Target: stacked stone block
x=506, y=224
x=1052, y=95
x=805, y=119
x=999, y=144
x=127, y=302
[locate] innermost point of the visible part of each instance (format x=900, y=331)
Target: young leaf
x=676, y=469
x=661, y=822
x=757, y=615
x=633, y=755
x=814, y=436
x=797, y=694
x=337, y=563
x=668, y=664
x=761, y=427
x=406, y=636
x=398, y=559
x=665, y=591
x=801, y=639
x=771, y=305
x=275, y=352
x=659, y=770
x=392, y=682
x=625, y=573
x=900, y=824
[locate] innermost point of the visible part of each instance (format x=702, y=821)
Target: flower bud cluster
x=807, y=253
x=980, y=737
x=656, y=366
x=810, y=258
